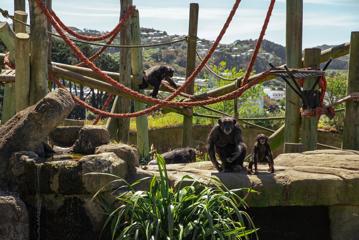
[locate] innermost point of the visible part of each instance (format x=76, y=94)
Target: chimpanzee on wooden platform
x=225, y=139
x=154, y=77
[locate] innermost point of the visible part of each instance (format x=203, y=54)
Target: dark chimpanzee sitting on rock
x=261, y=153
x=179, y=155
x=155, y=75
x=225, y=139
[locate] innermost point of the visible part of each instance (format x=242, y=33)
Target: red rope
x=231, y=95
x=259, y=43
x=130, y=91
x=114, y=31
x=100, y=51
x=104, y=107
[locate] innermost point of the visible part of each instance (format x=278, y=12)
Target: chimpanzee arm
x=212, y=138
x=171, y=82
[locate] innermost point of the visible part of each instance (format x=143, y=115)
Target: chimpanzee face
x=227, y=124
x=262, y=139
x=170, y=72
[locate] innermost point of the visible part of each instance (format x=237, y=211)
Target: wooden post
x=351, y=121
x=19, y=5
x=7, y=36
x=137, y=72
x=191, y=64
x=39, y=53
x=309, y=124
x=119, y=127
x=22, y=76
x=19, y=27
x=293, y=147
x=294, y=29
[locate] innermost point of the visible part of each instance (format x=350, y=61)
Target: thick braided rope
x=231, y=95
x=129, y=13
x=105, y=105
x=259, y=43
x=130, y=91
x=100, y=51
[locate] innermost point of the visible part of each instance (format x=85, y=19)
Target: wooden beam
x=22, y=76
x=309, y=124
x=143, y=145
x=294, y=31
x=351, y=120
x=119, y=128
x=338, y=51
x=103, y=86
x=39, y=53
x=8, y=38
x=187, y=138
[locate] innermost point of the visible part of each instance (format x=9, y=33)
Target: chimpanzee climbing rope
x=167, y=102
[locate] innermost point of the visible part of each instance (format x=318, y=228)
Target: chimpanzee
x=178, y=155
x=225, y=139
x=261, y=153
x=155, y=75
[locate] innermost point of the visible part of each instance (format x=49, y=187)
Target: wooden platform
x=7, y=76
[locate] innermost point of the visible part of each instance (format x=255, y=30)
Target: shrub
x=192, y=210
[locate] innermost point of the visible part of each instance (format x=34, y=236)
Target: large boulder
x=66, y=177
x=65, y=136
x=91, y=137
x=14, y=222
x=123, y=151
x=28, y=129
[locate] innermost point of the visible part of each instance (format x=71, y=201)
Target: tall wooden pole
x=22, y=76
x=191, y=64
x=119, y=127
x=294, y=29
x=351, y=121
x=137, y=72
x=19, y=5
x=22, y=61
x=8, y=38
x=309, y=124
x=39, y=53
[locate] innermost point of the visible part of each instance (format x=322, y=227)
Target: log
x=143, y=145
x=187, y=138
x=309, y=124
x=119, y=128
x=294, y=32
x=22, y=76
x=39, y=53
x=351, y=120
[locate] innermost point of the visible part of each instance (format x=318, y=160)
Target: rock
x=123, y=151
x=29, y=128
x=178, y=155
x=344, y=222
x=65, y=177
x=65, y=136
x=318, y=178
x=91, y=137
x=14, y=222
x=101, y=163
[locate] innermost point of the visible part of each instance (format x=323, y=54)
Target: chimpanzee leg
x=143, y=85
x=270, y=164
x=155, y=91
x=239, y=155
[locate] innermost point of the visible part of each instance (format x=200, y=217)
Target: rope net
x=167, y=102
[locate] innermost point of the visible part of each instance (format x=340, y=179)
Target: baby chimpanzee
x=155, y=75
x=225, y=139
x=261, y=153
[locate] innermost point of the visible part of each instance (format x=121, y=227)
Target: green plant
x=192, y=210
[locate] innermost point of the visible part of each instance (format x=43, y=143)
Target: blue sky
x=325, y=21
